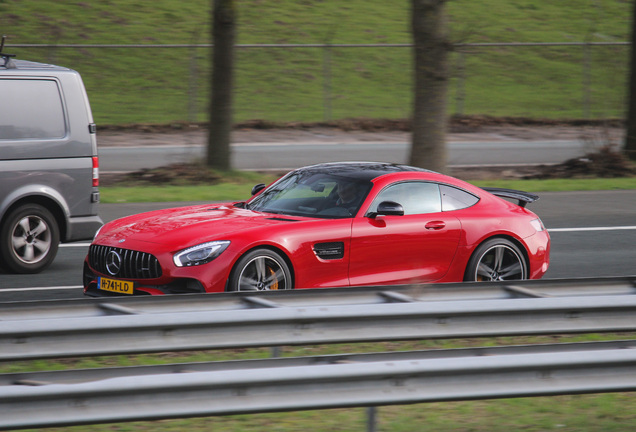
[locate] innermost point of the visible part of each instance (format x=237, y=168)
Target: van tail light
x=95, y=171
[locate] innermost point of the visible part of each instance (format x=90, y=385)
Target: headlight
x=200, y=254
x=537, y=224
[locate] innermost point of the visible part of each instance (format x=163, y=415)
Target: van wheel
x=29, y=239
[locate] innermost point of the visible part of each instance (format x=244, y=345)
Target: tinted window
x=455, y=199
x=415, y=197
x=302, y=193
x=31, y=109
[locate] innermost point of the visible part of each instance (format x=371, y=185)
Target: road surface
x=593, y=234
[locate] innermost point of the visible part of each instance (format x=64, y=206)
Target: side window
x=415, y=197
x=31, y=109
x=456, y=199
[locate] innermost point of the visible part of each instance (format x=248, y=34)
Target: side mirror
x=256, y=189
x=389, y=208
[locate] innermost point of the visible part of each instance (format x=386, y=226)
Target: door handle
x=435, y=225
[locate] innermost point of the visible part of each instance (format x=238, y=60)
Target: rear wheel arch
x=53, y=206
x=29, y=237
x=493, y=241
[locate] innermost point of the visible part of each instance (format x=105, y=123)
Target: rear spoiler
x=523, y=197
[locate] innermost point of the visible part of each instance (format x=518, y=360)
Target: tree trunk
x=630, y=136
x=431, y=46
x=223, y=36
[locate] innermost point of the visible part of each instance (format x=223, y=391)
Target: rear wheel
x=260, y=270
x=496, y=260
x=29, y=239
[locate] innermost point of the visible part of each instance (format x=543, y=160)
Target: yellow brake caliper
x=274, y=285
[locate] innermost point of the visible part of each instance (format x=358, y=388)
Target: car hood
x=180, y=227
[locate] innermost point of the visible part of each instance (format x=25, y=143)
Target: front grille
x=132, y=264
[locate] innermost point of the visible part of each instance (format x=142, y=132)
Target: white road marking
x=68, y=287
x=551, y=230
x=615, y=228
x=74, y=245
x=581, y=229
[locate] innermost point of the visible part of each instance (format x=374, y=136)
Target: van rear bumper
x=82, y=228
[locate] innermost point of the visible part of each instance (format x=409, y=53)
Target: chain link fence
x=164, y=84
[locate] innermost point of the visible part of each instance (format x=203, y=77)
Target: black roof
x=360, y=170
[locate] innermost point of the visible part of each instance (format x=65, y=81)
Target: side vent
x=329, y=251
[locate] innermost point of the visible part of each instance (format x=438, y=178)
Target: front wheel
x=29, y=239
x=496, y=260
x=260, y=270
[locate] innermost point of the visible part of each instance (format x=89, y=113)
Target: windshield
x=312, y=194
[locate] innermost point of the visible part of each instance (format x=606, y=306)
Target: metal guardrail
x=88, y=327
x=338, y=384
x=323, y=317
x=122, y=305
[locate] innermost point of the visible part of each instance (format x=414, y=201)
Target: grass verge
x=239, y=188
x=164, y=85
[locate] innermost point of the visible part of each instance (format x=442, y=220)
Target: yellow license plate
x=118, y=286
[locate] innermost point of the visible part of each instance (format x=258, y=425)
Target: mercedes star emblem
x=113, y=262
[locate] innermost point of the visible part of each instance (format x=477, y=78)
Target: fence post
x=460, y=89
x=192, y=87
x=586, y=79
x=326, y=66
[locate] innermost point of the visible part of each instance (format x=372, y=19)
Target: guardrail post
x=276, y=352
x=372, y=419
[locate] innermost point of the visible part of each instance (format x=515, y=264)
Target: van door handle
x=435, y=225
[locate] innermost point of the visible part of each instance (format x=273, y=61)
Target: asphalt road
x=593, y=235
x=279, y=156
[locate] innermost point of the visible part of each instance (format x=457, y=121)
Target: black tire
x=260, y=270
x=496, y=259
x=29, y=239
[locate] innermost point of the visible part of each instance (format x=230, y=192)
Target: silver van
x=49, y=173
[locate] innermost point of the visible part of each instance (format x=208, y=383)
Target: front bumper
x=210, y=277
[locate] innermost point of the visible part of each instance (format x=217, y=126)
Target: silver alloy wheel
x=498, y=263
x=31, y=239
x=263, y=273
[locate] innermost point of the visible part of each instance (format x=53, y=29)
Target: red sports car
x=328, y=225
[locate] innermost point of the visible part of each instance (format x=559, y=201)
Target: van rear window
x=31, y=109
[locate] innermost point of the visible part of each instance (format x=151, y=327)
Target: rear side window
x=415, y=197
x=456, y=199
x=31, y=109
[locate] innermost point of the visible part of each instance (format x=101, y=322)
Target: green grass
x=220, y=192
x=288, y=85
x=233, y=191
x=563, y=185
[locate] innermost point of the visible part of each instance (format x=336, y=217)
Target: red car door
x=416, y=247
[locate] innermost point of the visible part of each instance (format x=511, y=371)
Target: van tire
x=29, y=238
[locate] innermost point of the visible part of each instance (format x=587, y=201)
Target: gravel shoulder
x=188, y=135
x=596, y=136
